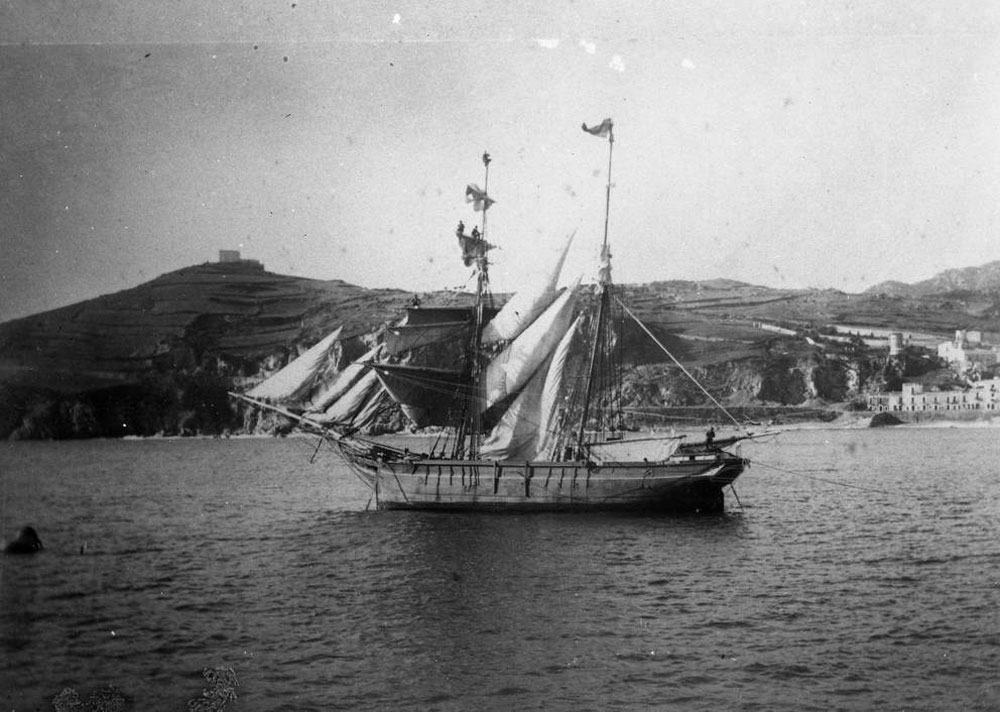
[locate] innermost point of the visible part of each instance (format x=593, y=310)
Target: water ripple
x=813, y=597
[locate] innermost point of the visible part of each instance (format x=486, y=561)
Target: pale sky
x=792, y=144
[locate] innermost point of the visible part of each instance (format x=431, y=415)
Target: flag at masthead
x=605, y=128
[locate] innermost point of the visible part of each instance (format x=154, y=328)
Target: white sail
x=525, y=306
x=510, y=370
x=552, y=394
x=294, y=380
x=351, y=403
x=515, y=436
x=329, y=392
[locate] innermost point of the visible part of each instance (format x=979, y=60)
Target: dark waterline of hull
x=687, y=484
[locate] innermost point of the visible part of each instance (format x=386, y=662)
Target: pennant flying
x=602, y=129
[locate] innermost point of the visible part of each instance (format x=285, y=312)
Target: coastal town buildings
x=968, y=351
x=981, y=395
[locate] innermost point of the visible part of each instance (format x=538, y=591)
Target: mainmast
x=605, y=128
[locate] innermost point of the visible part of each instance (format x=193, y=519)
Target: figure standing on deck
x=710, y=436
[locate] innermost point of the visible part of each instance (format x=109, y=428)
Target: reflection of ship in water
x=528, y=397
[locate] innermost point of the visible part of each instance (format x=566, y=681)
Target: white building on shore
x=980, y=395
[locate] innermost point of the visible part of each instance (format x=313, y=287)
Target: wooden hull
x=684, y=482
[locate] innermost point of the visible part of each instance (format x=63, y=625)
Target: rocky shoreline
x=160, y=359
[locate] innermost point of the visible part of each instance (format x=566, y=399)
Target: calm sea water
x=862, y=572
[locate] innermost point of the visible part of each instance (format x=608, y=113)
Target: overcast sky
x=792, y=144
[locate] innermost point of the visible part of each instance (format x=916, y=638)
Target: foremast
x=469, y=436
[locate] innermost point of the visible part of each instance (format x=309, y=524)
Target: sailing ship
x=526, y=398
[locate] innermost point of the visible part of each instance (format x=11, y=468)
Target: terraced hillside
x=233, y=311
x=159, y=358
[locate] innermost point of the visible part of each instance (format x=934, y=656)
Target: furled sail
x=525, y=306
x=336, y=387
x=651, y=449
x=294, y=381
x=510, y=370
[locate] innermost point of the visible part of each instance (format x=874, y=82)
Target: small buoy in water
x=27, y=542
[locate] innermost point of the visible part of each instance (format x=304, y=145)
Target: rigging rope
x=678, y=363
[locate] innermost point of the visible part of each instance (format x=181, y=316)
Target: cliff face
x=160, y=358
x=785, y=380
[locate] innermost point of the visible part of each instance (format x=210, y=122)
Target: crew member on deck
x=461, y=229
x=710, y=436
x=475, y=233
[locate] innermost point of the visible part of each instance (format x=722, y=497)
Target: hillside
x=233, y=311
x=982, y=279
x=160, y=357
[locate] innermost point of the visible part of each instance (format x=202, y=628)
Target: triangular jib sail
x=295, y=381
x=334, y=388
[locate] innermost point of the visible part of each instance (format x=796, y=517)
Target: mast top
x=474, y=246
x=605, y=129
